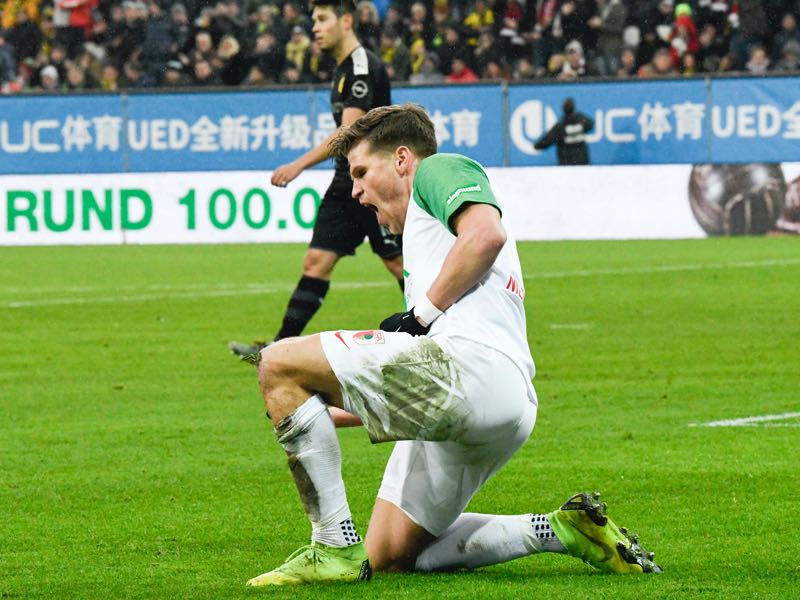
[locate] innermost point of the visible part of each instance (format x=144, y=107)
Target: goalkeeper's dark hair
x=386, y=128
x=340, y=7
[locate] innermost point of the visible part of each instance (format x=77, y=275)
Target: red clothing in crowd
x=80, y=13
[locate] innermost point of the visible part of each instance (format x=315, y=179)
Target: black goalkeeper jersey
x=359, y=81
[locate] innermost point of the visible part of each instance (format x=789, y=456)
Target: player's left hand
x=406, y=322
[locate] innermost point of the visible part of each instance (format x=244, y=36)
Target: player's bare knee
x=272, y=367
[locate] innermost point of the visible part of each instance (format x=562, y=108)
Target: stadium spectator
x=495, y=70
x=78, y=79
x=49, y=79
x=174, y=75
x=395, y=56
x=25, y=37
x=574, y=67
x=255, y=78
x=750, y=29
x=296, y=46
x=393, y=23
x=262, y=21
x=419, y=26
x=418, y=53
x=181, y=29
x=683, y=37
x=134, y=76
x=569, y=136
x=660, y=66
x=129, y=34
x=224, y=19
x=790, y=59
x=610, y=23
x=157, y=44
x=203, y=48
x=486, y=52
x=758, y=62
x=368, y=29
x=318, y=66
x=688, y=66
x=204, y=74
x=541, y=14
x=292, y=17
x=291, y=75
x=479, y=19
x=460, y=71
x=523, y=70
x=449, y=48
x=109, y=81
x=268, y=56
x=9, y=9
x=572, y=22
x=510, y=30
x=230, y=63
x=712, y=47
x=429, y=71
x=626, y=65
x=788, y=33
x=8, y=61
x=73, y=20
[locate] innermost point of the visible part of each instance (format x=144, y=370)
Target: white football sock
x=476, y=540
x=309, y=438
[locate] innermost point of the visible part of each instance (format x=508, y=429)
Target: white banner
x=540, y=203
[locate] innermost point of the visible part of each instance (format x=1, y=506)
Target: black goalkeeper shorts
x=342, y=224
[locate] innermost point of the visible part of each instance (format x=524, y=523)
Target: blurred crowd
x=123, y=44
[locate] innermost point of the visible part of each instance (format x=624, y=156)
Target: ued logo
x=529, y=122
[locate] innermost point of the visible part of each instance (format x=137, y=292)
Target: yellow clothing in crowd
x=296, y=51
x=12, y=7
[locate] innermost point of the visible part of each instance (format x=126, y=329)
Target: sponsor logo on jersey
x=340, y=85
x=360, y=89
x=515, y=287
x=369, y=338
x=464, y=190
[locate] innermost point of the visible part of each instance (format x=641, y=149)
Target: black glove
x=405, y=321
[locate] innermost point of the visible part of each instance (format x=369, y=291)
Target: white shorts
x=458, y=409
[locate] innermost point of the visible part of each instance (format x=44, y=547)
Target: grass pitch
x=137, y=462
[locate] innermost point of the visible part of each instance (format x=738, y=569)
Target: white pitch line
x=166, y=295
x=761, y=420
x=781, y=262
x=570, y=325
x=230, y=289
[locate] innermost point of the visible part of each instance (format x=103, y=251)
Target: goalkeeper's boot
x=318, y=563
x=582, y=526
x=249, y=353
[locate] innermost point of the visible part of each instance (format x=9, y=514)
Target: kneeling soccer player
x=450, y=380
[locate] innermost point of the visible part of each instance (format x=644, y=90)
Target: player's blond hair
x=386, y=128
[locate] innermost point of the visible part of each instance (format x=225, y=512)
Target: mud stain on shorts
x=419, y=397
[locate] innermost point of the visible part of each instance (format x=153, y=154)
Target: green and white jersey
x=492, y=312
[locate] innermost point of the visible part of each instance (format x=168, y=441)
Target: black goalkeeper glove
x=405, y=321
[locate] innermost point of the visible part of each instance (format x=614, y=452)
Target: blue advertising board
x=636, y=122
x=672, y=121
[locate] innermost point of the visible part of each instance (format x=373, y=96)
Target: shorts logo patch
x=359, y=89
x=369, y=338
